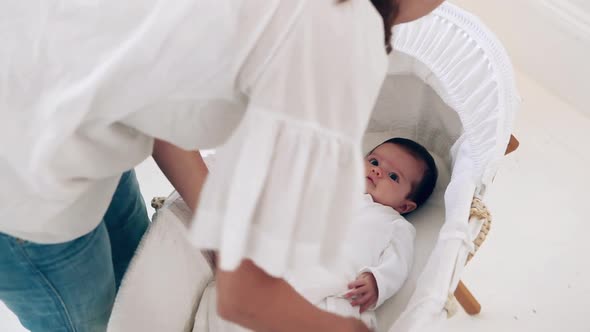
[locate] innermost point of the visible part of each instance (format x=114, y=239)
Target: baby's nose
x=376, y=171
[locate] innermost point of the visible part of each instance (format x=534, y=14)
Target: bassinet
x=450, y=86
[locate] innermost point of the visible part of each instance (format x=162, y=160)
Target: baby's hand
x=364, y=291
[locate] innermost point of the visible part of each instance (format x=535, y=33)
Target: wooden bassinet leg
x=467, y=300
x=512, y=145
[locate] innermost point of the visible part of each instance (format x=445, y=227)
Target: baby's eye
x=373, y=162
x=394, y=177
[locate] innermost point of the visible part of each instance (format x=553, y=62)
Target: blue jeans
x=71, y=286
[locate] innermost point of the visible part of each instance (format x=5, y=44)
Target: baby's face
x=390, y=174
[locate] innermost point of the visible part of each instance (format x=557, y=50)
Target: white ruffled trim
x=475, y=74
x=281, y=194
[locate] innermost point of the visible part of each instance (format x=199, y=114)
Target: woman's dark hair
x=389, y=10
x=421, y=191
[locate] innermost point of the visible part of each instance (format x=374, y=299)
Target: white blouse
x=282, y=88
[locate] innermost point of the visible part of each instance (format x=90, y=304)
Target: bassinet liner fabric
x=163, y=285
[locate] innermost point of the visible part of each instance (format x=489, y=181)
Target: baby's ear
x=407, y=206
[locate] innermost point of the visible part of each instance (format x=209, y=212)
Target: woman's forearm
x=186, y=170
x=250, y=297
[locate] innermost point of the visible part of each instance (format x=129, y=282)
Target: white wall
x=548, y=40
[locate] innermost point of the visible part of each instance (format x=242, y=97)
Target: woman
x=285, y=88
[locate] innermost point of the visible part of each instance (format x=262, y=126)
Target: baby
x=400, y=175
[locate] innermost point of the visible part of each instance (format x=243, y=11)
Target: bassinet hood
x=450, y=86
x=448, y=76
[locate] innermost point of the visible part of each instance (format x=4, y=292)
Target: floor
x=532, y=274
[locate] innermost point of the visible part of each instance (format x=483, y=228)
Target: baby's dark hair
x=421, y=191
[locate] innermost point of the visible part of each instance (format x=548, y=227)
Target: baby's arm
x=394, y=263
x=363, y=291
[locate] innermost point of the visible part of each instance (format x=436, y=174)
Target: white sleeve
x=286, y=182
x=79, y=77
x=85, y=86
x=395, y=261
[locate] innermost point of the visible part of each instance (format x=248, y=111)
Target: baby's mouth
x=370, y=180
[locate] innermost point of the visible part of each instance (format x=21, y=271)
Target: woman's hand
x=250, y=297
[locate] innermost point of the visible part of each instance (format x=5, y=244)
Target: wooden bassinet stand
x=478, y=211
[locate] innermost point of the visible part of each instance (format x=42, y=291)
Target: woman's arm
x=250, y=297
x=186, y=170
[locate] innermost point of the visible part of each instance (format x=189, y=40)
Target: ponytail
x=388, y=9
